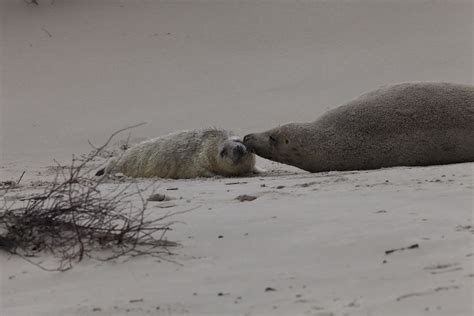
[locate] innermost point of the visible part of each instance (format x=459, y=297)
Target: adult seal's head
x=409, y=124
x=285, y=144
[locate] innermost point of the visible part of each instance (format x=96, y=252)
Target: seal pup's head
x=233, y=157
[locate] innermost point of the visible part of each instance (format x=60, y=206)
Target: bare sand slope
x=310, y=244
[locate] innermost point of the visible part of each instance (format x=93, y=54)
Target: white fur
x=184, y=154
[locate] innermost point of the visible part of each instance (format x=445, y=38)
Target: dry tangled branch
x=73, y=219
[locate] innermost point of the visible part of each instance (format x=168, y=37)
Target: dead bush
x=73, y=219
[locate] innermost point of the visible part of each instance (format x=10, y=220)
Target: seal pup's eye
x=286, y=141
x=223, y=152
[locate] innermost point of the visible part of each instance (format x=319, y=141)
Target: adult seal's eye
x=273, y=141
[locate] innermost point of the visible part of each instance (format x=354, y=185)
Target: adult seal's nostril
x=247, y=138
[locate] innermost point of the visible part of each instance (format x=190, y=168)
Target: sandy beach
x=395, y=241
x=309, y=244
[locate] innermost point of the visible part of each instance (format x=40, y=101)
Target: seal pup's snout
x=238, y=152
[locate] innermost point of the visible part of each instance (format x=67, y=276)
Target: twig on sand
x=387, y=252
x=428, y=292
x=21, y=177
x=45, y=30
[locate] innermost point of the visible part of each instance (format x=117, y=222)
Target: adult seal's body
x=408, y=124
x=186, y=154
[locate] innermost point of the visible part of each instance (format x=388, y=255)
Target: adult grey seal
x=186, y=154
x=407, y=124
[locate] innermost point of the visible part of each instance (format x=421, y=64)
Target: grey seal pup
x=407, y=124
x=186, y=154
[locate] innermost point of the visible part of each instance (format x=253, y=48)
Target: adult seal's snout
x=408, y=124
x=249, y=141
x=247, y=138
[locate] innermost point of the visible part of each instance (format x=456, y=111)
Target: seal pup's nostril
x=239, y=150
